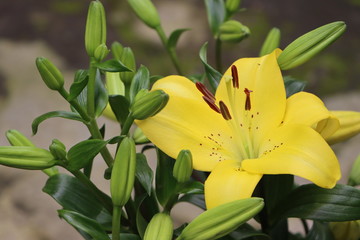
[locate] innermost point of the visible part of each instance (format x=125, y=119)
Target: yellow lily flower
x=246, y=130
x=349, y=126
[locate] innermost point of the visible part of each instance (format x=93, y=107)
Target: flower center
x=240, y=120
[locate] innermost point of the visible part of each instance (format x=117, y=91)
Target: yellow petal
x=268, y=99
x=306, y=108
x=187, y=122
x=298, y=150
x=349, y=126
x=228, y=183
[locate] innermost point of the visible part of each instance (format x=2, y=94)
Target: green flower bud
x=25, y=157
x=309, y=44
x=354, y=178
x=221, y=220
x=146, y=11
x=159, y=228
x=139, y=137
x=233, y=31
x=183, y=166
x=116, y=49
x=95, y=32
x=271, y=42
x=50, y=74
x=16, y=138
x=58, y=149
x=128, y=59
x=148, y=104
x=232, y=6
x=123, y=172
x=101, y=52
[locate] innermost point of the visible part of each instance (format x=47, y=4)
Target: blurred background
x=55, y=29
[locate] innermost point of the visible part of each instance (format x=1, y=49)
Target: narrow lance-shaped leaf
x=85, y=224
x=112, y=65
x=216, y=14
x=80, y=82
x=144, y=174
x=213, y=75
x=174, y=37
x=62, y=114
x=141, y=80
x=342, y=203
x=82, y=153
x=101, y=96
x=120, y=106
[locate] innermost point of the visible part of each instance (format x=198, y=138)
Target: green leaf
x=342, y=203
x=62, y=114
x=165, y=182
x=174, y=37
x=192, y=187
x=293, y=86
x=68, y=191
x=246, y=231
x=320, y=231
x=213, y=75
x=196, y=199
x=82, y=153
x=80, y=82
x=85, y=224
x=216, y=13
x=141, y=223
x=120, y=106
x=141, y=80
x=113, y=65
x=144, y=174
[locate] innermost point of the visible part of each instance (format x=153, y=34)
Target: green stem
x=170, y=51
x=116, y=218
x=91, y=89
x=91, y=125
x=106, y=201
x=218, y=58
x=127, y=125
x=96, y=134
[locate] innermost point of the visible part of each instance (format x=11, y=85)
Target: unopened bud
x=232, y=6
x=159, y=228
x=147, y=104
x=16, y=138
x=101, y=52
x=183, y=166
x=123, y=172
x=128, y=59
x=233, y=31
x=221, y=220
x=271, y=42
x=25, y=157
x=139, y=136
x=95, y=33
x=349, y=126
x=309, y=44
x=146, y=11
x=354, y=178
x=50, y=74
x=58, y=149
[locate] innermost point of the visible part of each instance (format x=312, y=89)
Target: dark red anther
x=211, y=104
x=235, y=76
x=201, y=87
x=247, y=101
x=224, y=111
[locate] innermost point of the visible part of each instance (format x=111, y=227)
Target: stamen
x=201, y=87
x=211, y=104
x=247, y=101
x=235, y=76
x=224, y=111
